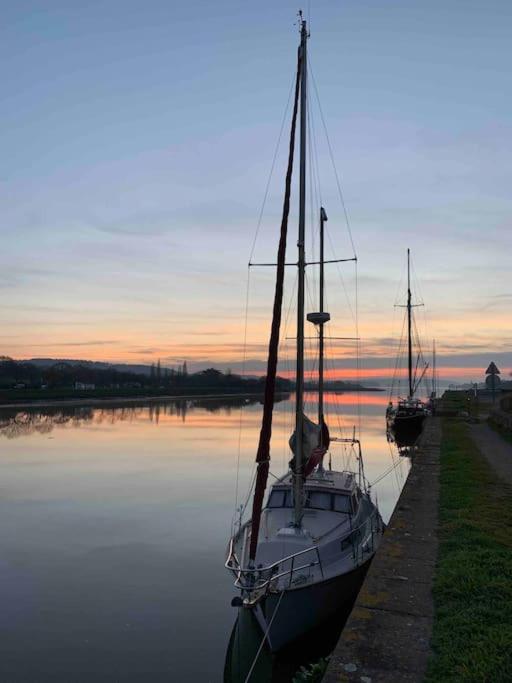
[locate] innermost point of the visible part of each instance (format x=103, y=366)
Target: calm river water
x=113, y=528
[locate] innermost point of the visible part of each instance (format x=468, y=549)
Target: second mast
x=299, y=408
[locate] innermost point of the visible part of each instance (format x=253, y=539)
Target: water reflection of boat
x=247, y=654
x=406, y=443
x=303, y=556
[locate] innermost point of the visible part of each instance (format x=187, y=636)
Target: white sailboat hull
x=303, y=575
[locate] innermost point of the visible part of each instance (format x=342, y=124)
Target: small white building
x=84, y=386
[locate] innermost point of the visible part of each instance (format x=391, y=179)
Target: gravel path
x=386, y=638
x=495, y=448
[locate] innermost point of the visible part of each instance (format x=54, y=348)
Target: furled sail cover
x=310, y=441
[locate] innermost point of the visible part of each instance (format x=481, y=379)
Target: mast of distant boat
x=434, y=370
x=298, y=483
x=409, y=321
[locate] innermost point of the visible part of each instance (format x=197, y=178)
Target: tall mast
x=299, y=404
x=409, y=320
x=434, y=378
x=322, y=318
x=323, y=218
x=263, y=453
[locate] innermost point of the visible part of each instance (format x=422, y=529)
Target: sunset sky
x=137, y=140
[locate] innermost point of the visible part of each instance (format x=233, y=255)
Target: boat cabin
x=410, y=406
x=332, y=503
x=317, y=500
x=329, y=491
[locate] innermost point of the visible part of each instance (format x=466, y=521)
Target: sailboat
x=303, y=555
x=406, y=418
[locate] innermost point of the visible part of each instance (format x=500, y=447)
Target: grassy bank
x=472, y=637
x=457, y=401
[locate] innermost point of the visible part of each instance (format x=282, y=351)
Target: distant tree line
x=66, y=375
x=23, y=374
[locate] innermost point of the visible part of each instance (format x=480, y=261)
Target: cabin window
x=346, y=542
x=342, y=503
x=319, y=500
x=280, y=499
x=276, y=499
x=351, y=540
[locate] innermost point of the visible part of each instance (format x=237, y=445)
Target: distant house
x=20, y=385
x=84, y=386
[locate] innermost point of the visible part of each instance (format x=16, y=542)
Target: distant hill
x=146, y=370
x=97, y=365
x=49, y=377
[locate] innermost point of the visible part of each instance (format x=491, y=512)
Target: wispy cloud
x=148, y=351
x=99, y=342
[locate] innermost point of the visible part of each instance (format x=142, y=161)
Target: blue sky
x=136, y=144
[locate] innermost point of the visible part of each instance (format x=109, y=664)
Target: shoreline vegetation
x=47, y=383
x=472, y=635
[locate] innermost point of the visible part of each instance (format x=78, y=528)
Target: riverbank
x=436, y=605
x=386, y=638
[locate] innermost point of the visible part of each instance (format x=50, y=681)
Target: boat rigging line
x=244, y=359
x=271, y=173
x=265, y=636
x=247, y=290
x=263, y=453
x=338, y=183
x=386, y=473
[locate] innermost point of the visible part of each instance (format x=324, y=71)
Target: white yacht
x=303, y=555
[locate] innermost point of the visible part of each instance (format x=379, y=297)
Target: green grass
x=312, y=673
x=472, y=636
x=455, y=401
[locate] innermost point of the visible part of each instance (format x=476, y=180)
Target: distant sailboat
x=406, y=418
x=303, y=555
